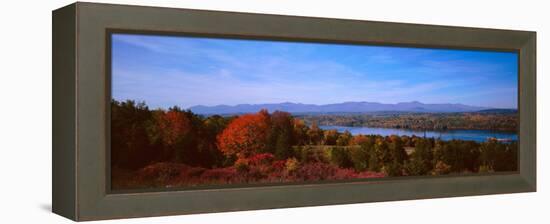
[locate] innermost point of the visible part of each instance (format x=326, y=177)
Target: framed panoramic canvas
x=201, y=111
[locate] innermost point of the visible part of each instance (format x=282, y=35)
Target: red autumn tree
x=360, y=140
x=174, y=126
x=171, y=129
x=245, y=135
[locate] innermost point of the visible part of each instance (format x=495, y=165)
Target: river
x=469, y=135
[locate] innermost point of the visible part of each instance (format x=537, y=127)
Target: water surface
x=469, y=135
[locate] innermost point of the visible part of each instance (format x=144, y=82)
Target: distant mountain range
x=346, y=107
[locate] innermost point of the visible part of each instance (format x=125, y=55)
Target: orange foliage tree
x=360, y=140
x=245, y=135
x=174, y=125
x=171, y=129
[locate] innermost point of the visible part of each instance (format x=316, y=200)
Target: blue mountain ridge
x=345, y=107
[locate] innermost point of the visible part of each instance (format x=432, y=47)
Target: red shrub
x=279, y=165
x=261, y=168
x=161, y=170
x=220, y=175
x=315, y=171
x=261, y=159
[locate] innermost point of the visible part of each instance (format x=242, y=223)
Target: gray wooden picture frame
x=81, y=96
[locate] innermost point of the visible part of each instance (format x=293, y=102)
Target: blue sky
x=165, y=71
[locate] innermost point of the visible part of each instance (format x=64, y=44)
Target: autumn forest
x=178, y=148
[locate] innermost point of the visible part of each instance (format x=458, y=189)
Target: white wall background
x=25, y=112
